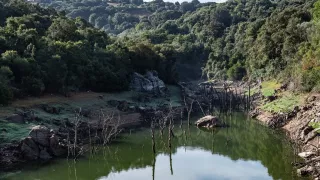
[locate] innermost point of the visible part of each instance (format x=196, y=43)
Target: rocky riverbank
x=300, y=122
x=276, y=106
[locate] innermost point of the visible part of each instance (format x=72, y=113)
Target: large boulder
x=29, y=149
x=44, y=155
x=56, y=147
x=305, y=171
x=306, y=154
x=40, y=134
x=147, y=83
x=209, y=122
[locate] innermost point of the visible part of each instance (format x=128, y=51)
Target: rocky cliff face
x=150, y=82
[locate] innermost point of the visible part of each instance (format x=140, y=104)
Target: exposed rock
x=51, y=109
x=284, y=86
x=29, y=149
x=40, y=134
x=209, y=122
x=123, y=106
x=305, y=171
x=55, y=147
x=306, y=154
x=44, y=155
x=148, y=83
x=141, y=108
x=254, y=113
x=273, y=120
x=311, y=99
x=132, y=108
x=291, y=86
x=311, y=135
x=307, y=107
x=16, y=118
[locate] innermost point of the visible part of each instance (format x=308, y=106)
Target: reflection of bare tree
x=153, y=150
x=170, y=146
x=170, y=157
x=75, y=169
x=170, y=130
x=152, y=136
x=189, y=108
x=153, y=166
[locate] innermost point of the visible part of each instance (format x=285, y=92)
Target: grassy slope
x=285, y=102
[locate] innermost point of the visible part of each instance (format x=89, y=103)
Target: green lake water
x=244, y=151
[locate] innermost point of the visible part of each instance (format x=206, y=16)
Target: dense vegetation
x=100, y=43
x=119, y=15
x=43, y=51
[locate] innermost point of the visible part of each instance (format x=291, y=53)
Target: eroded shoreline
x=295, y=123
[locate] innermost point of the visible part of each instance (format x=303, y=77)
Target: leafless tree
x=110, y=126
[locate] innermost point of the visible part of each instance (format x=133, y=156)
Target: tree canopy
x=63, y=46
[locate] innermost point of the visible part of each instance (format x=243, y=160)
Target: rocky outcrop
x=29, y=149
x=209, y=122
x=298, y=124
x=44, y=155
x=305, y=171
x=150, y=82
x=40, y=134
x=41, y=144
x=56, y=148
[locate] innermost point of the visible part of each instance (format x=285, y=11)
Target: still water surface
x=244, y=151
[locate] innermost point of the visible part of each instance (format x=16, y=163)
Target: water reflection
x=193, y=163
x=246, y=150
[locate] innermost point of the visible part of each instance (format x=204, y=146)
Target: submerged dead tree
x=226, y=97
x=101, y=129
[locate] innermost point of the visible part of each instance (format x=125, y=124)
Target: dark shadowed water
x=245, y=151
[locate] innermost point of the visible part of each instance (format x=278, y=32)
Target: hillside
x=117, y=16
x=233, y=40
x=42, y=51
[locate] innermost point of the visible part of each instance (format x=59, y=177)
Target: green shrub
x=5, y=93
x=311, y=79
x=33, y=86
x=236, y=72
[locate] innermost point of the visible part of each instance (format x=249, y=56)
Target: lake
x=244, y=151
